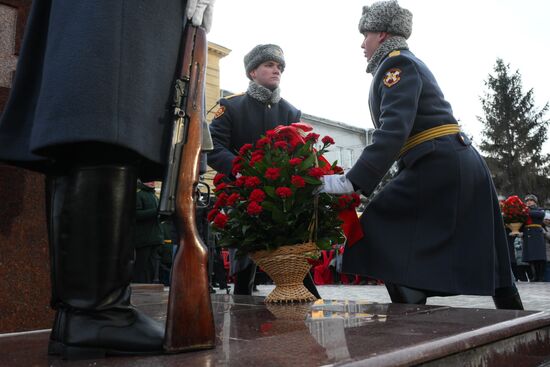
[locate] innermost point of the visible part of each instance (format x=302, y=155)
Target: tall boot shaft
x=91, y=220
x=95, y=219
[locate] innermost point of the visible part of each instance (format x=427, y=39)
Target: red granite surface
x=329, y=333
x=24, y=263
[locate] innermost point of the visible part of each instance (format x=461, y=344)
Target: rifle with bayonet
x=189, y=319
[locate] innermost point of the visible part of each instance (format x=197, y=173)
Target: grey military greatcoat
x=437, y=225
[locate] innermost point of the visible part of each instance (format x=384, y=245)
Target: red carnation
x=280, y=144
x=240, y=181
x=257, y=195
x=270, y=133
x=327, y=140
x=272, y=173
x=221, y=186
x=257, y=155
x=221, y=220
x=254, y=208
x=283, y=192
x=221, y=200
x=344, y=201
x=316, y=172
x=297, y=181
x=252, y=181
x=262, y=142
x=295, y=161
x=236, y=169
x=218, y=178
x=245, y=148
x=233, y=198
x=312, y=136
x=212, y=214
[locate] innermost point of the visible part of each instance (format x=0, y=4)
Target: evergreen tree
x=513, y=134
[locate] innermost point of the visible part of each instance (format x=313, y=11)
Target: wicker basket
x=287, y=266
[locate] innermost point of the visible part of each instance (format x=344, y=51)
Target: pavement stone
x=535, y=295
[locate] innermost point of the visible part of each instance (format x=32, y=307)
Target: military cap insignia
x=219, y=112
x=392, y=77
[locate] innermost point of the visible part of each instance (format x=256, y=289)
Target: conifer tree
x=513, y=134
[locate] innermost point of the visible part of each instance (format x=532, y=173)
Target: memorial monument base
x=331, y=332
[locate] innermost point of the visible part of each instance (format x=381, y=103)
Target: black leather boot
x=507, y=298
x=244, y=280
x=402, y=294
x=91, y=217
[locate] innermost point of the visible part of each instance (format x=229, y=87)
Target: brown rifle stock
x=189, y=320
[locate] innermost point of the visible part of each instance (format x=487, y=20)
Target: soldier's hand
x=200, y=13
x=336, y=184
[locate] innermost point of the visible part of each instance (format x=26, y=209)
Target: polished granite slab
x=331, y=332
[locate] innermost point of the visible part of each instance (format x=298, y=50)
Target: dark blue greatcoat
x=534, y=244
x=437, y=225
x=244, y=121
x=94, y=71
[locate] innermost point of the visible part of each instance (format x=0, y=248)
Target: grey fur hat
x=386, y=16
x=531, y=197
x=261, y=54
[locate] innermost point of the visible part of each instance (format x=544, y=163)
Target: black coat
x=437, y=225
x=98, y=71
x=534, y=244
x=148, y=231
x=241, y=120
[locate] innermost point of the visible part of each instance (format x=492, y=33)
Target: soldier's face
x=372, y=41
x=267, y=74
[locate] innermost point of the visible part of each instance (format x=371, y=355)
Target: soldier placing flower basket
x=272, y=210
x=514, y=214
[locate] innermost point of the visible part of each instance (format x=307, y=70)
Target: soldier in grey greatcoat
x=450, y=237
x=243, y=119
x=90, y=108
x=534, y=244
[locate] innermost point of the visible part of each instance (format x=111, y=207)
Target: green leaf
x=308, y=162
x=270, y=191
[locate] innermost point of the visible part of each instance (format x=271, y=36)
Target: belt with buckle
x=434, y=132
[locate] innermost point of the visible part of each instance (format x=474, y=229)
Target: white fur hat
x=261, y=54
x=386, y=16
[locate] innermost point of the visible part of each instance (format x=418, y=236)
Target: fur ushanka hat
x=386, y=16
x=261, y=54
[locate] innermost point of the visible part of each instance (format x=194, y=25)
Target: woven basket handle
x=314, y=224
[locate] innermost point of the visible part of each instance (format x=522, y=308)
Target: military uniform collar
x=389, y=45
x=263, y=94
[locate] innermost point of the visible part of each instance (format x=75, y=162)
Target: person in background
x=90, y=108
x=242, y=119
x=546, y=228
x=436, y=228
x=148, y=237
x=534, y=244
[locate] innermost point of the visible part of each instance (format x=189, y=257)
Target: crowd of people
x=530, y=247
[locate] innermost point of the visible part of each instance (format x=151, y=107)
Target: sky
x=325, y=67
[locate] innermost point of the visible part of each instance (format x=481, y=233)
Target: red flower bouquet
x=514, y=210
x=273, y=201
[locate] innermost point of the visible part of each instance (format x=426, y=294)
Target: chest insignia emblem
x=392, y=77
x=219, y=112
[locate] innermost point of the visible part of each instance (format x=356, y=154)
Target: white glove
x=336, y=184
x=200, y=12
